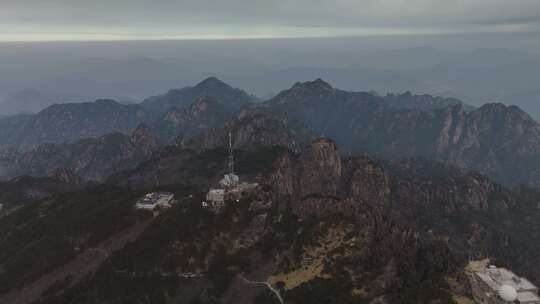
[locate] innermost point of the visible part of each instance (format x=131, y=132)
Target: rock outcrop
x=475, y=216
x=320, y=171
x=144, y=139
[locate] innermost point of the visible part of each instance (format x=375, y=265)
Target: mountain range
x=500, y=141
x=472, y=67
x=354, y=197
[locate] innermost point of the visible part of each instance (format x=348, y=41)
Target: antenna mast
x=231, y=156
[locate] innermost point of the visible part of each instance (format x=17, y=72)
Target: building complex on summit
x=230, y=186
x=493, y=285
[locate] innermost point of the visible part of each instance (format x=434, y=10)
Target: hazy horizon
x=476, y=68
x=33, y=20
x=479, y=51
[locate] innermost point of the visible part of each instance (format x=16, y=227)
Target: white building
x=216, y=195
x=229, y=181
x=492, y=285
x=215, y=199
x=155, y=200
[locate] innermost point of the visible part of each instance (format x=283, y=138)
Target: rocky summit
x=211, y=87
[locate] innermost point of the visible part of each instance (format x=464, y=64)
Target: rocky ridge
x=92, y=159
x=500, y=141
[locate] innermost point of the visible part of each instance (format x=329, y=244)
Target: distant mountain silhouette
x=500, y=141
x=33, y=101
x=212, y=87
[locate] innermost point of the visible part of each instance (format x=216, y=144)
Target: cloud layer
x=237, y=18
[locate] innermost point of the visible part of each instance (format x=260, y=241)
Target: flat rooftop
x=527, y=297
x=496, y=277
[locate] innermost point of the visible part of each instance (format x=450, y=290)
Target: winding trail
x=272, y=289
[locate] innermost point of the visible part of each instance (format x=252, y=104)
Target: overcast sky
x=208, y=19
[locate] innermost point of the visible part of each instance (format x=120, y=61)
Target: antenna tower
x=231, y=156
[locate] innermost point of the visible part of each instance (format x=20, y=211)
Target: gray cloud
x=266, y=17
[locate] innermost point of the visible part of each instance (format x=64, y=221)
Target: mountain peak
x=110, y=102
x=497, y=107
x=317, y=84
x=212, y=82
x=317, y=89
x=212, y=87
x=493, y=106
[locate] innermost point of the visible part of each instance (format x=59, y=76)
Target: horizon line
x=172, y=38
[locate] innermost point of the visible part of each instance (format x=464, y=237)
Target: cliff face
x=477, y=217
x=502, y=142
x=320, y=171
x=144, y=139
